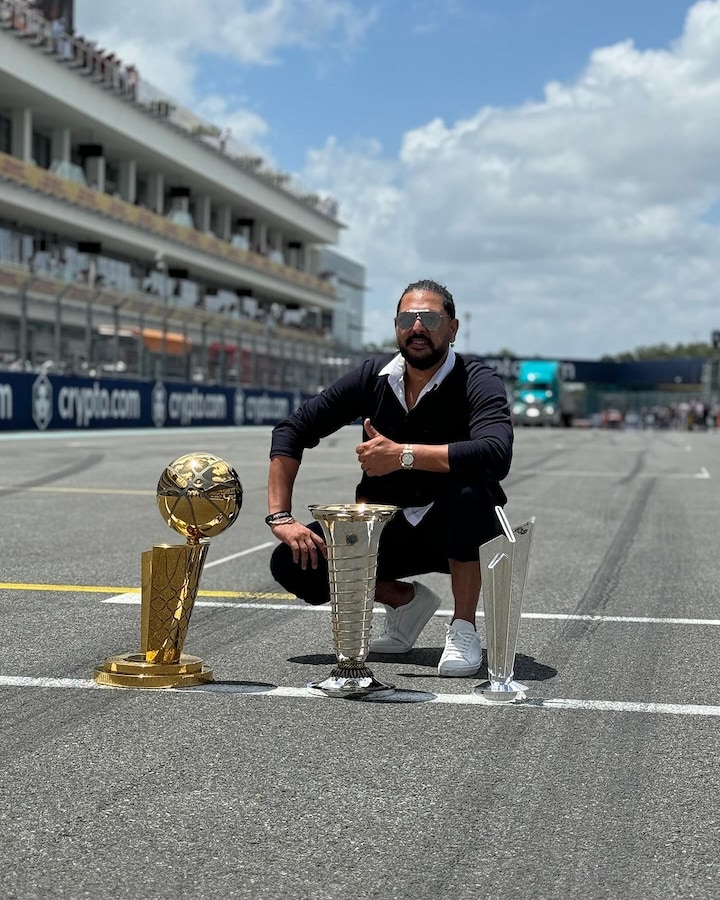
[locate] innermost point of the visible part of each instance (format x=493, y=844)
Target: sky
x=554, y=163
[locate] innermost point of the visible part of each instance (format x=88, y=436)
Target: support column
x=275, y=245
x=95, y=172
x=203, y=209
x=22, y=125
x=93, y=156
x=156, y=192
x=61, y=144
x=128, y=180
x=261, y=230
x=224, y=222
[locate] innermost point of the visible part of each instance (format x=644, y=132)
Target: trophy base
x=350, y=681
x=501, y=692
x=133, y=670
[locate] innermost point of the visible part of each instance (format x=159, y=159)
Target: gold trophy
x=352, y=534
x=199, y=495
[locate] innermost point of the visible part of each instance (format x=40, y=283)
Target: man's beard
x=424, y=361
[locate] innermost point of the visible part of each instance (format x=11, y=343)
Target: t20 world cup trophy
x=199, y=495
x=352, y=534
x=504, y=566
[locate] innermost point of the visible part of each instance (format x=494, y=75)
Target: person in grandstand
x=437, y=442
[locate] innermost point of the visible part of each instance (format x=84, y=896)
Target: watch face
x=407, y=458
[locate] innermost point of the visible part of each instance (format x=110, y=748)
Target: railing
x=42, y=285
x=104, y=331
x=45, y=182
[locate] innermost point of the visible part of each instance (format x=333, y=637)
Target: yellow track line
x=104, y=589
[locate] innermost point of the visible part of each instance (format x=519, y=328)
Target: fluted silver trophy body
x=504, y=566
x=352, y=534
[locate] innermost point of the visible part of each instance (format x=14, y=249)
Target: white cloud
x=575, y=226
x=581, y=224
x=250, y=32
x=177, y=33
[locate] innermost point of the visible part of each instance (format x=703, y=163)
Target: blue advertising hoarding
x=42, y=402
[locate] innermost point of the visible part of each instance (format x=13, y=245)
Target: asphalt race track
x=603, y=783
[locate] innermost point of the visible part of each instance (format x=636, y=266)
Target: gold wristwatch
x=407, y=457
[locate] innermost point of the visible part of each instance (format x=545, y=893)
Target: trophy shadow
x=526, y=668
x=418, y=656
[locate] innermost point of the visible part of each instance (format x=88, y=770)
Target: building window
x=5, y=134
x=41, y=150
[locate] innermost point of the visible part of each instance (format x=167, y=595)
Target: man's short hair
x=432, y=287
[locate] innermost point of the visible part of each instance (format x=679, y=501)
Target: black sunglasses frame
x=422, y=314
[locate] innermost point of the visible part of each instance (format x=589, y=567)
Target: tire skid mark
x=79, y=464
x=517, y=477
x=604, y=584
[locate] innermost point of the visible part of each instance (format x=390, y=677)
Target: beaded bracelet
x=280, y=518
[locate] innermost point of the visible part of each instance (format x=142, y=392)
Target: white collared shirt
x=395, y=371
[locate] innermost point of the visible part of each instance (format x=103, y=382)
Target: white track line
x=560, y=473
x=400, y=696
x=217, y=562
x=133, y=599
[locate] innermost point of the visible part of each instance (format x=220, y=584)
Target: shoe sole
x=460, y=673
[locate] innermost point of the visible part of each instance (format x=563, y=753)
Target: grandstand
x=137, y=239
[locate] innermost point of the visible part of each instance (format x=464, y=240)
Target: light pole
x=161, y=266
x=57, y=337
x=93, y=293
x=23, y=334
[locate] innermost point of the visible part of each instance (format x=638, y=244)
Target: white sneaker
x=404, y=624
x=463, y=651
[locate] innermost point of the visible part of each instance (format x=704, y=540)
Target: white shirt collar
x=395, y=371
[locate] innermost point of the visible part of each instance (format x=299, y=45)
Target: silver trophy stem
x=504, y=565
x=352, y=534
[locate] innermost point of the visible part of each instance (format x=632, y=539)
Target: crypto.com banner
x=41, y=402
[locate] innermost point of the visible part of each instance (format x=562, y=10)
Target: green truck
x=540, y=396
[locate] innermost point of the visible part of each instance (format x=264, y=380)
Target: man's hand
x=379, y=455
x=303, y=542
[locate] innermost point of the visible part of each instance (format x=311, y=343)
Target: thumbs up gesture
x=378, y=455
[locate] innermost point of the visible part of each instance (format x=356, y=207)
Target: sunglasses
x=428, y=319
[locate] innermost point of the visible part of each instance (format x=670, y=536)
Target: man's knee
x=468, y=519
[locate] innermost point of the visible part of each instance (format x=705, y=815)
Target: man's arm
x=281, y=478
x=489, y=450
x=303, y=542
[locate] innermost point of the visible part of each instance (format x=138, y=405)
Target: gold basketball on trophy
x=199, y=495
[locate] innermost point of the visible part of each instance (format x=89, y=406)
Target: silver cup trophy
x=504, y=565
x=352, y=534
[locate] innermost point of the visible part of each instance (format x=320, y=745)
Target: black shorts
x=454, y=528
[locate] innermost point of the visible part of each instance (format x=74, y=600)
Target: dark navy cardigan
x=468, y=411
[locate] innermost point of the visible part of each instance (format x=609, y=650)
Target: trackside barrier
x=40, y=402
